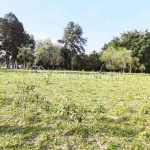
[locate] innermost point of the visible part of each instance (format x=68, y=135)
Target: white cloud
x=54, y=12
x=144, y=14
x=105, y=23
x=40, y=35
x=92, y=10
x=43, y=36
x=58, y=13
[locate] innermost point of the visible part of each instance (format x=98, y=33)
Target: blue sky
x=101, y=20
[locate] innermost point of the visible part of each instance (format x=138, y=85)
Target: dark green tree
x=48, y=54
x=26, y=56
x=94, y=61
x=12, y=37
x=43, y=52
x=136, y=41
x=4, y=38
x=73, y=40
x=66, y=58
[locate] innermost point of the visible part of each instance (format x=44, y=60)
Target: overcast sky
x=100, y=20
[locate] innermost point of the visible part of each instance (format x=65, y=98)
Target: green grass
x=74, y=110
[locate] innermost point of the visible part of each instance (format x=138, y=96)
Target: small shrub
x=100, y=108
x=46, y=78
x=66, y=107
x=146, y=110
x=25, y=94
x=71, y=111
x=78, y=114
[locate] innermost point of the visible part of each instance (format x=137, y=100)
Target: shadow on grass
x=28, y=135
x=5, y=101
x=121, y=128
x=6, y=129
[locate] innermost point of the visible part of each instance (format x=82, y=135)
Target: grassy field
x=74, y=110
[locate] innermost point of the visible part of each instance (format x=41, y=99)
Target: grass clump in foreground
x=74, y=110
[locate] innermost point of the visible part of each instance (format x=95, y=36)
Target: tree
x=55, y=56
x=123, y=59
x=30, y=42
x=25, y=56
x=81, y=62
x=136, y=41
x=2, y=59
x=4, y=38
x=135, y=64
x=48, y=54
x=94, y=61
x=73, y=40
x=43, y=52
x=107, y=56
x=142, y=68
x=117, y=59
x=12, y=37
x=66, y=58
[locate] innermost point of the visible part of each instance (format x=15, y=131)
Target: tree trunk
x=6, y=65
x=6, y=60
x=63, y=63
x=71, y=65
x=24, y=64
x=53, y=66
x=12, y=61
x=123, y=69
x=71, y=60
x=130, y=68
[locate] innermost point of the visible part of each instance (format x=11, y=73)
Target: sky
x=101, y=20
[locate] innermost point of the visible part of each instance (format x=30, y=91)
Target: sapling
x=24, y=94
x=71, y=111
x=46, y=78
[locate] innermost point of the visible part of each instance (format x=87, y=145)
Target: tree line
x=12, y=38
x=129, y=52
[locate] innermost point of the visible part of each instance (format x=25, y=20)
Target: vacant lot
x=74, y=110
